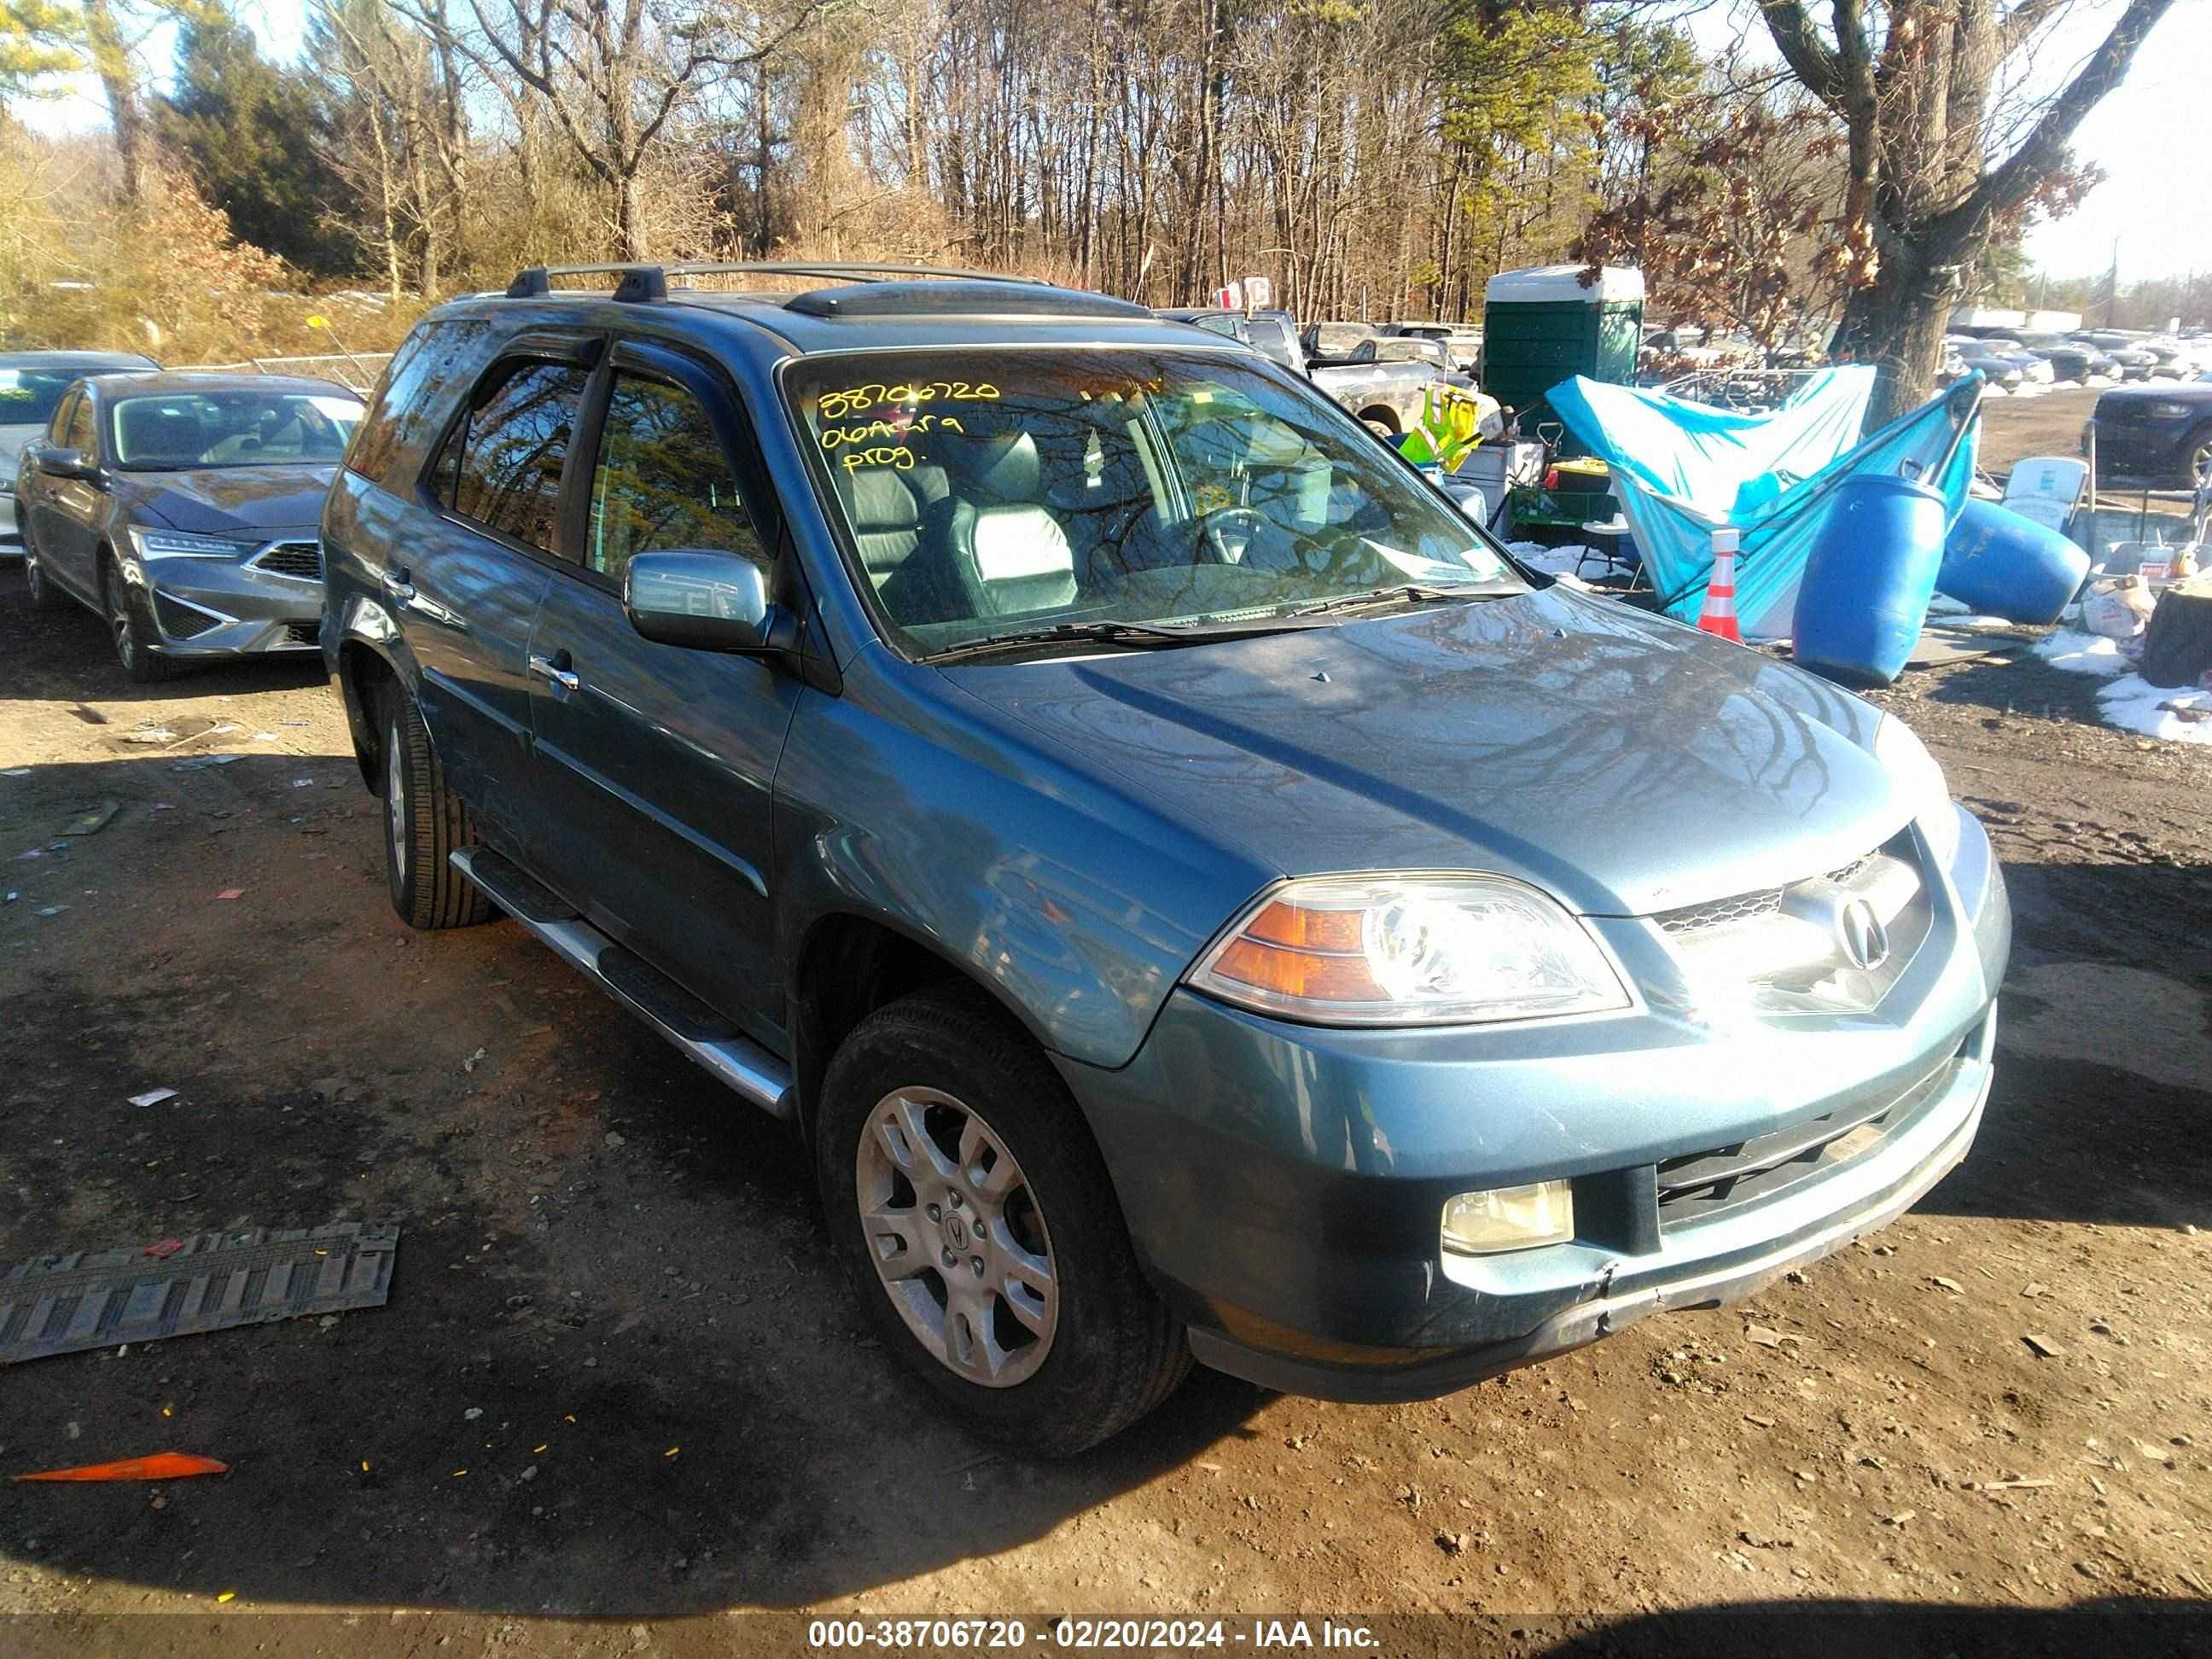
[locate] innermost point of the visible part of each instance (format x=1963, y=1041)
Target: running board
x=708, y=1038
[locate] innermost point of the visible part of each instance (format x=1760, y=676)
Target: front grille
x=1700, y=1187
x=180, y=621
x=305, y=633
x=303, y=559
x=1719, y=913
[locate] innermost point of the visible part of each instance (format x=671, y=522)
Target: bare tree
x=610, y=74
x=1932, y=178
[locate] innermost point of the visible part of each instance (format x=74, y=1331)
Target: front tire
x=423, y=823
x=131, y=626
x=966, y=1199
x=41, y=592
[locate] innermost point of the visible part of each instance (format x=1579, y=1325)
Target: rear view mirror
x=59, y=463
x=705, y=601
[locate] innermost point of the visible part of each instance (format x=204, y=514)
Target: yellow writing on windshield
x=834, y=438
x=861, y=399
x=899, y=460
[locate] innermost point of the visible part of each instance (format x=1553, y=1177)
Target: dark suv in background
x=1194, y=893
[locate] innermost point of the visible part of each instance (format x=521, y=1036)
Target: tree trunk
x=1897, y=326
x=629, y=218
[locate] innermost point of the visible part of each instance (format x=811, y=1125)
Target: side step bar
x=710, y=1040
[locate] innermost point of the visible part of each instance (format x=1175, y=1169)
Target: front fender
x=1077, y=907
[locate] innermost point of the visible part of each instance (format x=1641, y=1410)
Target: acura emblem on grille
x=1863, y=937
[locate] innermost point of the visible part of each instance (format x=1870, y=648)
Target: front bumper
x=1284, y=1184
x=230, y=608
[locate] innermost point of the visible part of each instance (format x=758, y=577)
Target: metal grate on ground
x=96, y=1299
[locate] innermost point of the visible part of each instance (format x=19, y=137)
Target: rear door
x=466, y=587
x=655, y=764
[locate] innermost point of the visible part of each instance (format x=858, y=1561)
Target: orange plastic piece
x=161, y=1466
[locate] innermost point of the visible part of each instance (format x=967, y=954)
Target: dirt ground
x=617, y=1379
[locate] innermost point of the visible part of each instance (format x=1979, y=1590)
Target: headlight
x=1921, y=781
x=1409, y=951
x=175, y=545
x=2170, y=409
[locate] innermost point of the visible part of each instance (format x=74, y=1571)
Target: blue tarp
x=1682, y=469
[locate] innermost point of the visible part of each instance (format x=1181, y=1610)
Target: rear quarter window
x=434, y=366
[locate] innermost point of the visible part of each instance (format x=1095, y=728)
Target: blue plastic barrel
x=2004, y=565
x=1867, y=583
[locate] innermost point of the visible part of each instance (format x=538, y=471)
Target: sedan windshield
x=179, y=430
x=1008, y=493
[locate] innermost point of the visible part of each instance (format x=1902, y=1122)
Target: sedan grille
x=302, y=560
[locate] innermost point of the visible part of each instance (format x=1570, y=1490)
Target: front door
x=655, y=764
x=66, y=512
x=467, y=578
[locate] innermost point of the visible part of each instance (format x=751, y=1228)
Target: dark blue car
x=1195, y=895
x=2158, y=434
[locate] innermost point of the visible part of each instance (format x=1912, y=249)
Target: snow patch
x=2134, y=704
x=2078, y=652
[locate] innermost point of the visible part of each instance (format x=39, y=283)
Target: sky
x=2151, y=138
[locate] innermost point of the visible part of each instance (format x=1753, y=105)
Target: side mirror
x=59, y=463
x=706, y=601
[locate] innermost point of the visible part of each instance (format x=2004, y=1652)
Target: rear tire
x=423, y=823
x=1022, y=1308
x=131, y=627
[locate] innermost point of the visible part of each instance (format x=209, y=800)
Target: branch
x=2006, y=187
x=2021, y=21
x=1803, y=49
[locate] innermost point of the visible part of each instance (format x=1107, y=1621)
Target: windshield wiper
x=1136, y=636
x=1404, y=593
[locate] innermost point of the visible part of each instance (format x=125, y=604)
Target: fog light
x=1509, y=1218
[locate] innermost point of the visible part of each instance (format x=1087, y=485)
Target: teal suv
x=1197, y=898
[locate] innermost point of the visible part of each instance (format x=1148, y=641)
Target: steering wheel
x=1230, y=531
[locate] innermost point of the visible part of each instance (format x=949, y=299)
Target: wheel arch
x=850, y=963
x=362, y=670
x=1383, y=414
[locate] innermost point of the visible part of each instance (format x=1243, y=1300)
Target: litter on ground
x=153, y=1097
x=160, y=1466
x=65, y=1303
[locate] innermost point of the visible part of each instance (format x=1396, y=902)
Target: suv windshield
x=1005, y=491
x=171, y=432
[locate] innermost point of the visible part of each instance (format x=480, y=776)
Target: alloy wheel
x=957, y=1236
x=33, y=579
x=395, y=802
x=119, y=623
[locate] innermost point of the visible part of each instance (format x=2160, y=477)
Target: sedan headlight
x=176, y=544
x=2171, y=409
x=1921, y=781
x=1409, y=951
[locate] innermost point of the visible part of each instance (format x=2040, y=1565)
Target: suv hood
x=1624, y=762
x=213, y=499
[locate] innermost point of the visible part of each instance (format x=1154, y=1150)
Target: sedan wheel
x=42, y=593
x=956, y=1238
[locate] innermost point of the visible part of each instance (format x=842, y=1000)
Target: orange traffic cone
x=1719, y=615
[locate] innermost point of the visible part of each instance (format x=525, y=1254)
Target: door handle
x=556, y=669
x=397, y=585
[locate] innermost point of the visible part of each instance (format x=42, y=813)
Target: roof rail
x=642, y=283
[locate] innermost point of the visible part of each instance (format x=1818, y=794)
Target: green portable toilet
x=1543, y=324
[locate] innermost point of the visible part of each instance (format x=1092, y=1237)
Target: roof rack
x=638, y=284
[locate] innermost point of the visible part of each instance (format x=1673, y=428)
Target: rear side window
x=501, y=463
x=412, y=396
x=663, y=480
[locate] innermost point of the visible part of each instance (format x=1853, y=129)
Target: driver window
x=78, y=433
x=662, y=480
